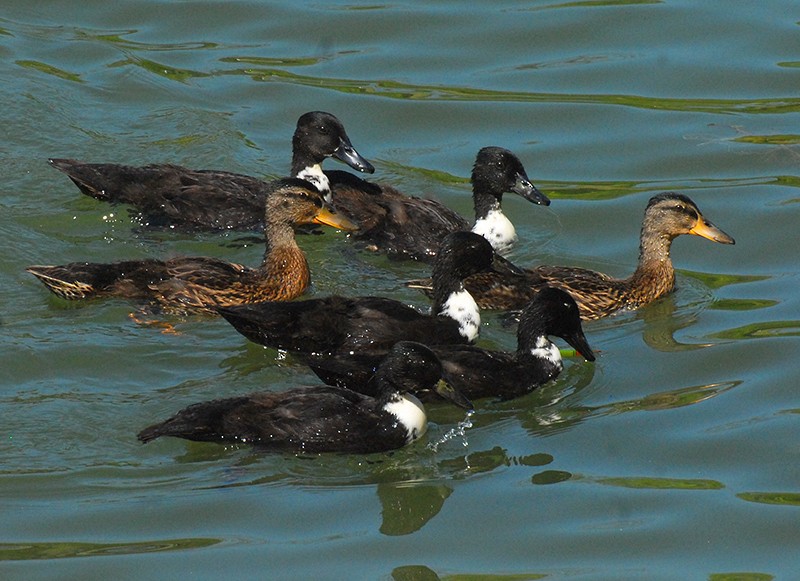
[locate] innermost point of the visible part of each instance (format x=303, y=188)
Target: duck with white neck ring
x=343, y=326
x=323, y=418
x=176, y=197
x=411, y=227
x=480, y=373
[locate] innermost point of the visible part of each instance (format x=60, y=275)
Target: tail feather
x=89, y=180
x=83, y=280
x=202, y=422
x=63, y=284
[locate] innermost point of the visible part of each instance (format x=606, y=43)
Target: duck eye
x=323, y=129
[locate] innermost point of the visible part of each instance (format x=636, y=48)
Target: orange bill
x=328, y=218
x=706, y=229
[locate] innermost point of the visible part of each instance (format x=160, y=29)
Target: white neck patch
x=315, y=175
x=410, y=414
x=546, y=349
x=497, y=229
x=462, y=308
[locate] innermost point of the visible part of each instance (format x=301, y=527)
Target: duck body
x=199, y=284
x=598, y=295
x=322, y=418
x=167, y=195
x=345, y=326
x=479, y=373
x=409, y=227
x=339, y=325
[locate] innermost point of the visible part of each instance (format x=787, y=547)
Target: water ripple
x=67, y=550
x=396, y=90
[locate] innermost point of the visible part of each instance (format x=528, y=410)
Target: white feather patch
x=315, y=175
x=546, y=349
x=410, y=414
x=462, y=308
x=497, y=229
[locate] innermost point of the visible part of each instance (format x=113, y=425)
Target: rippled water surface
x=675, y=456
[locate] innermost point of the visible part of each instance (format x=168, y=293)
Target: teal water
x=674, y=456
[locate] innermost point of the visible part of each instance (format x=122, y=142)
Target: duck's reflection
x=407, y=507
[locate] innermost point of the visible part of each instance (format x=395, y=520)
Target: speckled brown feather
x=598, y=295
x=200, y=284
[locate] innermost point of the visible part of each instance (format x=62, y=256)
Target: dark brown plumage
x=409, y=227
x=478, y=372
x=167, y=195
x=322, y=418
x=343, y=325
x=202, y=283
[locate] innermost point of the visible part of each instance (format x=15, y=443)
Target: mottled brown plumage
x=200, y=284
x=598, y=295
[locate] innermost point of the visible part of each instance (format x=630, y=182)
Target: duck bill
x=527, y=190
x=347, y=153
x=334, y=220
x=451, y=394
x=581, y=345
x=503, y=265
x=707, y=230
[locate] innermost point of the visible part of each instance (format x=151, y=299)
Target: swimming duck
x=323, y=418
x=598, y=295
x=169, y=195
x=408, y=227
x=477, y=372
x=201, y=283
x=343, y=326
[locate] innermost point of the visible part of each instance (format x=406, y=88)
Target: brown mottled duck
x=668, y=215
x=199, y=284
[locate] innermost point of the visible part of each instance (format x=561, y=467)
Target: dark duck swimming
x=342, y=325
x=167, y=195
x=479, y=373
x=408, y=227
x=200, y=284
x=323, y=418
x=667, y=216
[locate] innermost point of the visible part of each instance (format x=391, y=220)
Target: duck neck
x=542, y=352
x=492, y=223
x=654, y=275
x=284, y=266
x=308, y=166
x=406, y=412
x=452, y=300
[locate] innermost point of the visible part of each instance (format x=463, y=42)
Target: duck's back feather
x=313, y=419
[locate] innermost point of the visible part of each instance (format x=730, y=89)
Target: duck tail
x=84, y=280
x=202, y=422
x=65, y=282
x=94, y=180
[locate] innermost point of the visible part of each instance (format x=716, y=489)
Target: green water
x=674, y=456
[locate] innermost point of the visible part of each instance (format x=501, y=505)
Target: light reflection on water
x=681, y=435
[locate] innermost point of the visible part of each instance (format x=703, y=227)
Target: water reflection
x=407, y=507
x=423, y=573
x=67, y=550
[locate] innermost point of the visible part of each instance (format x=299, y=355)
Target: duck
x=480, y=373
x=412, y=228
x=339, y=325
x=667, y=216
x=323, y=418
x=176, y=197
x=200, y=284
